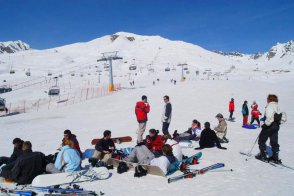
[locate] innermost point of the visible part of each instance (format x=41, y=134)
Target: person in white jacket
x=270, y=128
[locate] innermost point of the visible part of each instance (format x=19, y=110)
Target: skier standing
x=273, y=118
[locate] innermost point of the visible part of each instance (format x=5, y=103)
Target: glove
x=223, y=148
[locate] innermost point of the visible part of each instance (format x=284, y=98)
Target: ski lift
x=106, y=66
x=49, y=73
x=167, y=69
x=12, y=71
x=5, y=89
x=54, y=90
x=132, y=67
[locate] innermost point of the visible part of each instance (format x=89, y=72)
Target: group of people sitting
x=24, y=164
x=195, y=132
x=163, y=150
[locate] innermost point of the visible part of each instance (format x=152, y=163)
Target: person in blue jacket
x=67, y=160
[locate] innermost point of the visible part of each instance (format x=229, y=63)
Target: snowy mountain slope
x=198, y=99
x=13, y=46
x=281, y=55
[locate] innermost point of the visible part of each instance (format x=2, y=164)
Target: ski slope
x=195, y=98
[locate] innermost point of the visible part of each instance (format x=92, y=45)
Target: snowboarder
x=231, y=108
x=193, y=133
x=67, y=160
x=141, y=110
x=208, y=138
x=27, y=166
x=10, y=161
x=255, y=114
x=104, y=148
x=245, y=112
x=221, y=129
x=273, y=118
x=166, y=115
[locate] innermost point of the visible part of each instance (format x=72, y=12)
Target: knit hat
x=219, y=115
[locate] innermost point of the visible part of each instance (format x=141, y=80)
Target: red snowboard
x=117, y=140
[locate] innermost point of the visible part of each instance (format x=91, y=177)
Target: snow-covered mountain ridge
x=278, y=51
x=13, y=46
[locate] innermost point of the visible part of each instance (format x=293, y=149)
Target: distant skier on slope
x=270, y=129
x=231, y=108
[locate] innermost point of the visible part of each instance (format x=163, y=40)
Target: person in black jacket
x=10, y=161
x=27, y=166
x=104, y=148
x=208, y=138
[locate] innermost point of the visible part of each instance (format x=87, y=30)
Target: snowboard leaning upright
x=117, y=140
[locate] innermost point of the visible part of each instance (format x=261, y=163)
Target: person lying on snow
x=193, y=133
x=208, y=138
x=142, y=155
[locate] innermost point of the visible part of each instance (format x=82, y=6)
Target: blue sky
x=247, y=26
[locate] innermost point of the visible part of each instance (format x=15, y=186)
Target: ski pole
x=249, y=153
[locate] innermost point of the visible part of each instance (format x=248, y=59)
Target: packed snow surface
x=198, y=97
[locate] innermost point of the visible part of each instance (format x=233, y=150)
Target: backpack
x=280, y=118
x=140, y=171
x=122, y=167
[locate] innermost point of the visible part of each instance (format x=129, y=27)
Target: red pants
x=245, y=119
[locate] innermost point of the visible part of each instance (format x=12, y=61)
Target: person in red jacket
x=154, y=142
x=231, y=108
x=141, y=110
x=255, y=114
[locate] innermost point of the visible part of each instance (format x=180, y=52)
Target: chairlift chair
x=132, y=67
x=167, y=69
x=54, y=90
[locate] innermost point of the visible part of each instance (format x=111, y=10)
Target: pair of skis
x=192, y=174
x=280, y=165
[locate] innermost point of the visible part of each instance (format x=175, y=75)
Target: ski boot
x=275, y=159
x=261, y=156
